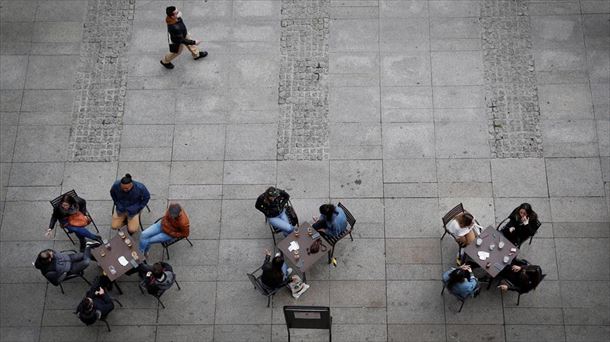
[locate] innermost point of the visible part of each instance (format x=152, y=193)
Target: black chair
x=55, y=203
x=69, y=276
x=450, y=215
x=166, y=244
x=501, y=226
x=255, y=279
x=460, y=298
x=332, y=240
x=140, y=213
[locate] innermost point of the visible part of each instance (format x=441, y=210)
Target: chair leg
x=147, y=208
x=166, y=252
x=140, y=287
x=531, y=238
x=62, y=288
x=160, y=302
x=68, y=235
x=518, y=298
x=443, y=290
x=461, y=306
x=85, y=279
x=268, y=301
x=350, y=236
x=118, y=302
x=93, y=222
x=118, y=287
x=107, y=325
x=445, y=233
x=189, y=241
x=178, y=285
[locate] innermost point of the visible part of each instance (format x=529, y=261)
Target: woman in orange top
x=175, y=224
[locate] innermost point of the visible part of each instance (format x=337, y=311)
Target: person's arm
x=284, y=198
x=184, y=225
x=260, y=205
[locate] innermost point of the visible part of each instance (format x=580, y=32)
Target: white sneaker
x=289, y=271
x=278, y=254
x=298, y=294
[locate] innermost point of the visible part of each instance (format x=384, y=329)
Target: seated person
x=156, y=279
x=129, y=197
x=464, y=228
x=461, y=282
x=97, y=303
x=276, y=274
x=273, y=203
x=332, y=221
x=56, y=266
x=71, y=212
x=523, y=223
x=520, y=276
x=175, y=224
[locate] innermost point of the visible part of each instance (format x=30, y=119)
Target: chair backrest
x=55, y=201
x=258, y=285
x=350, y=218
x=451, y=214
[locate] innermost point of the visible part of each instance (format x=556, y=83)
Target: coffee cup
x=128, y=242
x=309, y=231
x=506, y=258
x=479, y=241
x=121, y=234
x=500, y=244
x=296, y=231
x=491, y=247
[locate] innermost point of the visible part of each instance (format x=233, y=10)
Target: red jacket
x=176, y=228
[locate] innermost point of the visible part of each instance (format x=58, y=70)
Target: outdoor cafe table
x=306, y=260
x=491, y=236
x=112, y=258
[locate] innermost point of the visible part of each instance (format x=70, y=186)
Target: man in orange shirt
x=175, y=224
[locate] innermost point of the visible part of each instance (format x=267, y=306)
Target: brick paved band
x=303, y=90
x=101, y=81
x=510, y=89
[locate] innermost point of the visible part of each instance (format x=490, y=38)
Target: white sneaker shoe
x=289, y=271
x=278, y=254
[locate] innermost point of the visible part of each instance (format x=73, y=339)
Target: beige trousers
x=118, y=221
x=172, y=55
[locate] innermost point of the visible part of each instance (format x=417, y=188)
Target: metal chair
x=332, y=240
x=502, y=225
x=166, y=244
x=255, y=279
x=142, y=286
x=69, y=276
x=55, y=202
x=450, y=215
x=461, y=299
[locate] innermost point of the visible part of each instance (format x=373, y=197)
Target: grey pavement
x=398, y=109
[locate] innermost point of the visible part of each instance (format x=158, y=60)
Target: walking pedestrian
x=179, y=38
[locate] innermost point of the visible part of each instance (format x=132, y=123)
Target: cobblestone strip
x=101, y=81
x=303, y=89
x=510, y=82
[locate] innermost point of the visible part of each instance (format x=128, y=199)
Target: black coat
x=178, y=33
x=273, y=208
x=272, y=277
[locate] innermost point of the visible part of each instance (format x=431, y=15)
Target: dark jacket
x=132, y=201
x=273, y=208
x=522, y=231
x=155, y=286
x=59, y=214
x=57, y=270
x=272, y=277
x=177, y=32
x=102, y=306
x=520, y=281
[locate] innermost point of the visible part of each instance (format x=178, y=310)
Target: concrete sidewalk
x=398, y=109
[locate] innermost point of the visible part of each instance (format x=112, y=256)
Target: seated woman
x=71, y=212
x=332, y=221
x=464, y=228
x=520, y=276
x=523, y=223
x=273, y=203
x=276, y=274
x=461, y=282
x=174, y=224
x=97, y=303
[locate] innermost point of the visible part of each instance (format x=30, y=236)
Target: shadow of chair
x=55, y=203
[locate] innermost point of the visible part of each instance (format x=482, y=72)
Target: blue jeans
x=152, y=234
x=281, y=223
x=81, y=233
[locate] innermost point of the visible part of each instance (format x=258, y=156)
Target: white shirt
x=453, y=227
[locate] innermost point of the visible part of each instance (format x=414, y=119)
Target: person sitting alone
x=332, y=221
x=520, y=276
x=276, y=273
x=464, y=228
x=56, y=266
x=97, y=303
x=71, y=212
x=461, y=282
x=523, y=223
x=129, y=197
x=273, y=203
x=156, y=279
x=175, y=224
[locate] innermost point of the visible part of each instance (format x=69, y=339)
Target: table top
x=491, y=236
x=118, y=249
x=306, y=260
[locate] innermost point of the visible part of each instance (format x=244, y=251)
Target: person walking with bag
x=179, y=38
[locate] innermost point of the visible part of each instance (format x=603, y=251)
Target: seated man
x=97, y=303
x=272, y=203
x=56, y=266
x=156, y=279
x=520, y=276
x=129, y=197
x=332, y=221
x=175, y=224
x=464, y=228
x=71, y=212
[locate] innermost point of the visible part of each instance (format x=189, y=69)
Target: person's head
x=46, y=256
x=272, y=193
x=457, y=276
x=126, y=183
x=534, y=275
x=277, y=262
x=465, y=219
x=525, y=212
x=157, y=270
x=86, y=305
x=174, y=210
x=327, y=210
x=173, y=12
x=67, y=201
